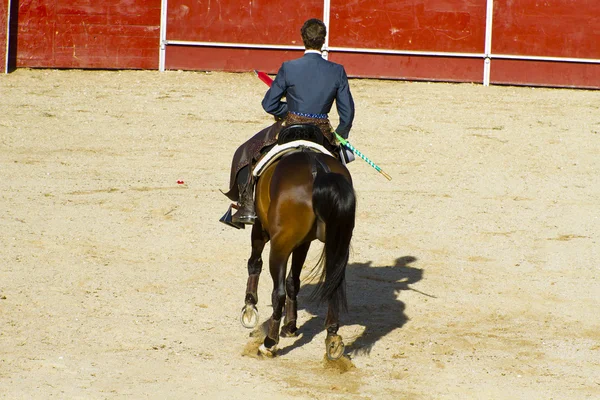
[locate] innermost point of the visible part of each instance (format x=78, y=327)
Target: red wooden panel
x=81, y=8
x=266, y=21
x=544, y=73
x=554, y=28
x=357, y=65
x=226, y=59
x=3, y=38
x=36, y=32
x=134, y=12
x=425, y=25
x=410, y=67
x=88, y=34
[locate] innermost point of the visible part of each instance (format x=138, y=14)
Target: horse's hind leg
x=249, y=317
x=292, y=287
x=334, y=346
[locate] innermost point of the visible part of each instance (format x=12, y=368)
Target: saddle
x=291, y=139
x=308, y=132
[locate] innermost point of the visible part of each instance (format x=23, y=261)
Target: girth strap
x=317, y=165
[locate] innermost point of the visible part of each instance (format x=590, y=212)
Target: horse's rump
x=294, y=173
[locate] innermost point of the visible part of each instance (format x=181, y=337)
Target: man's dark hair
x=313, y=34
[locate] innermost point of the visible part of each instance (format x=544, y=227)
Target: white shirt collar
x=313, y=51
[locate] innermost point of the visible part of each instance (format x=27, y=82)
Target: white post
x=7, y=62
x=326, y=16
x=163, y=36
x=487, y=66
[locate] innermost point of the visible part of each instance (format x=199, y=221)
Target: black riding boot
x=245, y=214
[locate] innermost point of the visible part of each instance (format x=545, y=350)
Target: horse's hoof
x=334, y=347
x=249, y=316
x=289, y=331
x=262, y=349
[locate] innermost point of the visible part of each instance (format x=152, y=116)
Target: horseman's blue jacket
x=310, y=85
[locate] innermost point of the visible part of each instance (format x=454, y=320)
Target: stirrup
x=243, y=219
x=226, y=219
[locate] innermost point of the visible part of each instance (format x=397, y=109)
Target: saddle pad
x=281, y=149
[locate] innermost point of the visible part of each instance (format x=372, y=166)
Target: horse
x=301, y=197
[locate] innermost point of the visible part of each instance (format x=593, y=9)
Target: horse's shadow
x=372, y=303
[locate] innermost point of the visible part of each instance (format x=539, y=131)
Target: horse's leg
x=249, y=316
x=334, y=345
x=278, y=259
x=292, y=287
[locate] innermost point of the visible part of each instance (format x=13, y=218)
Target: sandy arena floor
x=474, y=272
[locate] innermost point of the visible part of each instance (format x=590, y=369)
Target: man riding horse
x=310, y=85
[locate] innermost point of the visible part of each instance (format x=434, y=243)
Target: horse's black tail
x=334, y=202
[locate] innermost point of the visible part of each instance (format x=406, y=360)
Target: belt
x=307, y=115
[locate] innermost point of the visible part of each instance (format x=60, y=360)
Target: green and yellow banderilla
x=361, y=155
x=267, y=79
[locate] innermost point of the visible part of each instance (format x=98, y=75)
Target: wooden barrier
x=549, y=43
x=84, y=34
x=3, y=32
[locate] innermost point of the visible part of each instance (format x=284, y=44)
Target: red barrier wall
x=429, y=25
x=550, y=28
x=235, y=21
x=426, y=25
x=266, y=22
x=87, y=34
x=459, y=27
x=3, y=38
x=410, y=67
x=221, y=59
x=125, y=34
x=543, y=73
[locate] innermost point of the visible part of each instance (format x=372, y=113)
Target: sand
x=473, y=273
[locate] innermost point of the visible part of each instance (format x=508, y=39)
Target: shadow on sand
x=372, y=303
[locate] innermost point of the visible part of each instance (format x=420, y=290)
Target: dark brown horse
x=302, y=197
